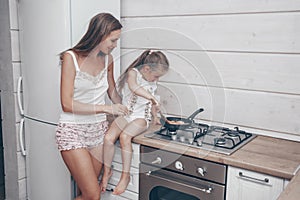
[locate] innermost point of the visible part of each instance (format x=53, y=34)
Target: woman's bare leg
x=133, y=129
x=80, y=164
x=97, y=160
x=110, y=138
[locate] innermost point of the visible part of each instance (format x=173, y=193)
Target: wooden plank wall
x=239, y=60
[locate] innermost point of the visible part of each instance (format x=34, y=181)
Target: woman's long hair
x=100, y=26
x=153, y=59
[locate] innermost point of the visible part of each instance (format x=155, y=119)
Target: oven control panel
x=184, y=164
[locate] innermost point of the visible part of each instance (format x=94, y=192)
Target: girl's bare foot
x=78, y=198
x=123, y=183
x=106, y=176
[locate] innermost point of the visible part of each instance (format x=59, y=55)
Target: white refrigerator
x=46, y=29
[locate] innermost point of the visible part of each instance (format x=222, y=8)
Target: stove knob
x=179, y=165
x=201, y=171
x=182, y=138
x=156, y=161
x=199, y=143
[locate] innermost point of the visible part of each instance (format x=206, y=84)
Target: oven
x=166, y=175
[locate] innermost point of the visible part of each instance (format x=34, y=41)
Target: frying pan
x=186, y=122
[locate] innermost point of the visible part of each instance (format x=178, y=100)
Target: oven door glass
x=164, y=193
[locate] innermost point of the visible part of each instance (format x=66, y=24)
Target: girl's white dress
x=138, y=106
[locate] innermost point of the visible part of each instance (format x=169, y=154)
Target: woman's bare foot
x=106, y=176
x=123, y=183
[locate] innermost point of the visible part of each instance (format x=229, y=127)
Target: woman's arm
x=137, y=89
x=112, y=92
x=68, y=104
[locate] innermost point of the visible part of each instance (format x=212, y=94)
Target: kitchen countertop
x=273, y=156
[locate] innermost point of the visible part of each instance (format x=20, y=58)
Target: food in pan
x=176, y=122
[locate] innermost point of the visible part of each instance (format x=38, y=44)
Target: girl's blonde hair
x=153, y=59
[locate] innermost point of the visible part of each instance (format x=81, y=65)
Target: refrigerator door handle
x=19, y=96
x=21, y=137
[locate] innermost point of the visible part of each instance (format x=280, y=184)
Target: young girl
x=137, y=86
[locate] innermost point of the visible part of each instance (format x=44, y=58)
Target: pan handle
x=195, y=113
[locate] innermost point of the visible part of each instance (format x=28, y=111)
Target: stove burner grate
x=215, y=138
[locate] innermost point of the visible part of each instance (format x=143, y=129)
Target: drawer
x=245, y=184
x=134, y=177
x=135, y=154
x=127, y=195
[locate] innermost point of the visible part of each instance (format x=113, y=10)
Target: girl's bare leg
x=81, y=165
x=133, y=129
x=109, y=148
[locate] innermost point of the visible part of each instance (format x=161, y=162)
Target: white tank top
x=87, y=89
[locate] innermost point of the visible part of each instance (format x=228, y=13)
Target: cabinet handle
x=266, y=180
x=109, y=189
x=19, y=96
x=21, y=137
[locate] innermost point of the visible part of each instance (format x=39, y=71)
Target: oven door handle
x=160, y=177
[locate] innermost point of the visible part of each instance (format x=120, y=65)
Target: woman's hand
x=118, y=109
x=154, y=102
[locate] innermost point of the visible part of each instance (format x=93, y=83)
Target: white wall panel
x=193, y=7
x=249, y=32
x=279, y=73
x=264, y=72
x=273, y=112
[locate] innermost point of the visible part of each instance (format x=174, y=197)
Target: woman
x=86, y=76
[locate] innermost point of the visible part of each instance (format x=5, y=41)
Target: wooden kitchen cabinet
x=248, y=185
x=131, y=192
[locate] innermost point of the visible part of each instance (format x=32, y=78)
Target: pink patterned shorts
x=74, y=136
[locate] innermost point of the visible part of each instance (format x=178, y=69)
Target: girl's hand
x=154, y=110
x=156, y=120
x=118, y=109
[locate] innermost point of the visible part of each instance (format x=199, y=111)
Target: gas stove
x=211, y=138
